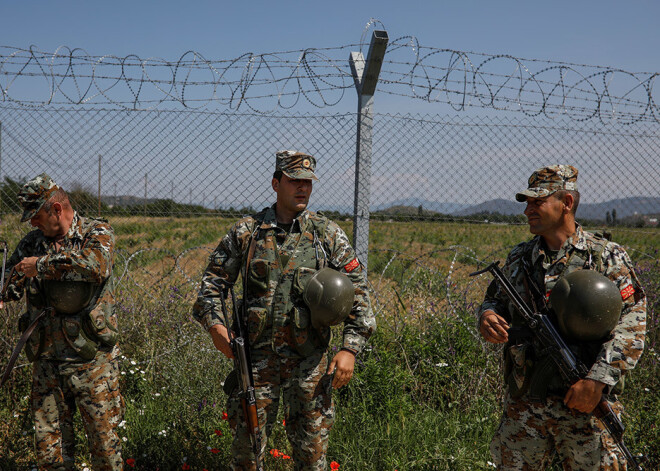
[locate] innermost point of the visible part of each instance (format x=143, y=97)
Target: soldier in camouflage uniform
x=288, y=355
x=64, y=268
x=542, y=416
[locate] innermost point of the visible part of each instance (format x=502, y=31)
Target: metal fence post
x=0, y=164
x=365, y=75
x=99, y=192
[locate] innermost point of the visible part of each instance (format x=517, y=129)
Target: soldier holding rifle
x=548, y=409
x=64, y=269
x=299, y=276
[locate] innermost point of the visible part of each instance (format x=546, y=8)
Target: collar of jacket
x=270, y=219
x=576, y=241
x=75, y=231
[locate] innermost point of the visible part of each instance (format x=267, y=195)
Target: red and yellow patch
x=352, y=265
x=627, y=292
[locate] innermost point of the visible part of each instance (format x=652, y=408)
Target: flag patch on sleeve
x=627, y=292
x=352, y=265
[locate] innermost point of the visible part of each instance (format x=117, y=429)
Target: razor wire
x=319, y=77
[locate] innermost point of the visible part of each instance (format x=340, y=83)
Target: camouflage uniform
x=74, y=353
x=288, y=355
x=536, y=422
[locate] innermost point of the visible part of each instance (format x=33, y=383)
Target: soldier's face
x=544, y=215
x=48, y=222
x=292, y=194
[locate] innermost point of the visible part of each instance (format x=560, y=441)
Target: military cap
x=295, y=164
x=547, y=180
x=34, y=194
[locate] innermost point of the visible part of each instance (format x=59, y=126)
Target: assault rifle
x=243, y=370
x=30, y=328
x=552, y=344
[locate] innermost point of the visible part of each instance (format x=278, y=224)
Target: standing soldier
x=542, y=415
x=278, y=251
x=64, y=267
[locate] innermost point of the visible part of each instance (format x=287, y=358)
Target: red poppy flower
x=284, y=422
x=185, y=466
x=218, y=433
x=275, y=452
x=334, y=466
x=215, y=451
x=130, y=462
x=224, y=415
x=286, y=457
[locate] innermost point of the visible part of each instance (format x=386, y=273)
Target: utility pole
x=0, y=164
x=99, y=211
x=365, y=75
x=145, y=195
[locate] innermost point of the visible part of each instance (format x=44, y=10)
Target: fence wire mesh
x=195, y=163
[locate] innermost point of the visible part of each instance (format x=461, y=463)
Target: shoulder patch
x=627, y=292
x=353, y=264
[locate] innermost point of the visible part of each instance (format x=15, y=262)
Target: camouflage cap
x=547, y=180
x=34, y=194
x=295, y=164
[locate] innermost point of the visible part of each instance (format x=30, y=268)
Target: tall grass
x=426, y=393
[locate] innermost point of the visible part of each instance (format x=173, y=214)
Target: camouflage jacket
x=277, y=317
x=86, y=254
x=621, y=352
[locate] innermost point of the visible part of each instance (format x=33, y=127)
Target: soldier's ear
x=57, y=208
x=569, y=201
x=275, y=183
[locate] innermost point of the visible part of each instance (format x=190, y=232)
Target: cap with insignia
x=547, y=180
x=295, y=164
x=34, y=194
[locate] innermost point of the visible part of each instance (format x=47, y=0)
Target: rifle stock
x=570, y=367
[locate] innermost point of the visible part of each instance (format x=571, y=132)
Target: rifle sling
x=19, y=346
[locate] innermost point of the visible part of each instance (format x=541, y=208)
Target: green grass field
x=426, y=392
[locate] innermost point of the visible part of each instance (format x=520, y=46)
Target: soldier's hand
x=28, y=266
x=343, y=365
x=493, y=328
x=584, y=395
x=220, y=336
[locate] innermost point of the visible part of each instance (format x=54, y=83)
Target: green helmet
x=69, y=297
x=587, y=304
x=329, y=294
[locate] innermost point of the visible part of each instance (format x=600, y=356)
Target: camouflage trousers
x=531, y=432
x=93, y=387
x=306, y=392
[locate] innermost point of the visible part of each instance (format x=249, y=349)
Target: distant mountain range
x=435, y=206
x=625, y=207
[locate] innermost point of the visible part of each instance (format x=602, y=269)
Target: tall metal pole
x=99, y=213
x=145, y=195
x=0, y=164
x=365, y=75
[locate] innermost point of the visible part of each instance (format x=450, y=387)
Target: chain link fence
x=120, y=163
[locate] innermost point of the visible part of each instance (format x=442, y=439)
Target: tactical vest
x=86, y=323
x=526, y=370
x=276, y=278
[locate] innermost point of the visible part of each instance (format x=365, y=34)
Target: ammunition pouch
x=529, y=372
x=86, y=325
x=78, y=339
x=256, y=323
x=307, y=339
x=258, y=277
